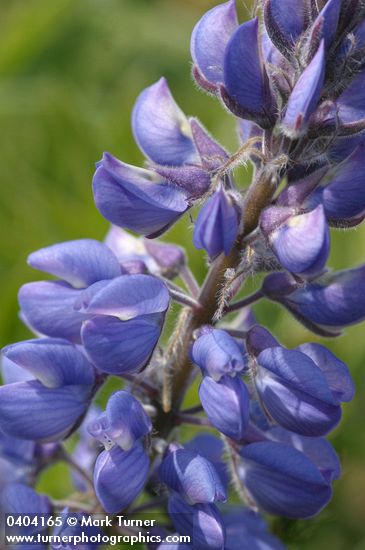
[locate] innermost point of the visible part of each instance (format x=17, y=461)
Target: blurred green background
x=70, y=71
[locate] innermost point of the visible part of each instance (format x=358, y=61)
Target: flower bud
x=258, y=339
x=246, y=90
x=208, y=42
x=301, y=242
x=211, y=448
x=192, y=476
x=285, y=21
x=217, y=224
x=325, y=305
x=217, y=354
x=305, y=96
x=226, y=404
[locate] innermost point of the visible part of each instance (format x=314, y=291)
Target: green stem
x=247, y=301
x=64, y=455
x=74, y=505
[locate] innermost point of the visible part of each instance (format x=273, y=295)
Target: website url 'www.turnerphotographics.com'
x=73, y=529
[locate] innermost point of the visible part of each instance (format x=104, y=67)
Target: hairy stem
x=66, y=457
x=74, y=505
x=179, y=367
x=242, y=334
x=138, y=382
x=189, y=279
x=194, y=420
x=248, y=300
x=184, y=299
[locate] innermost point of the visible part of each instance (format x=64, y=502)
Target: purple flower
x=297, y=393
x=124, y=423
x=348, y=110
x=328, y=18
x=285, y=21
x=208, y=42
x=301, y=242
x=130, y=251
x=48, y=306
x=19, y=500
x=67, y=530
x=340, y=189
x=127, y=316
x=247, y=530
x=217, y=224
x=226, y=404
x=47, y=407
x=202, y=522
x=17, y=460
x=317, y=449
x=246, y=90
x=295, y=82
x=110, y=316
x=119, y=477
x=305, y=96
x=258, y=339
x=325, y=305
x=149, y=201
x=121, y=470
x=218, y=354
x=168, y=257
x=211, y=448
x=79, y=263
x=192, y=476
x=283, y=480
x=343, y=197
x=161, y=129
x=137, y=199
x=335, y=371
x=140, y=256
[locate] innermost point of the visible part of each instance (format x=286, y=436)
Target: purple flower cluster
x=295, y=83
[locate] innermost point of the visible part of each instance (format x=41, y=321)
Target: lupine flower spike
x=293, y=77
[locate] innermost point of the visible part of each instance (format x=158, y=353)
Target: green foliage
x=69, y=74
